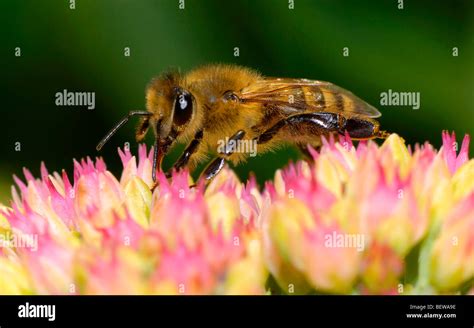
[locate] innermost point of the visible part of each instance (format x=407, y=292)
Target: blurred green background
x=83, y=50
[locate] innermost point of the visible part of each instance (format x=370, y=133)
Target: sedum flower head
x=363, y=219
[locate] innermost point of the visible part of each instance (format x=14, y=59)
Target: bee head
x=171, y=113
x=172, y=106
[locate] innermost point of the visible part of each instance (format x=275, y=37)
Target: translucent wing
x=301, y=95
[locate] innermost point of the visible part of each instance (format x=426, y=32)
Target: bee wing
x=302, y=95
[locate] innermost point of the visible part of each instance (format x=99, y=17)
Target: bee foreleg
x=142, y=128
x=215, y=166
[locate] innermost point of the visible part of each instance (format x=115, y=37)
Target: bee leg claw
x=383, y=134
x=153, y=187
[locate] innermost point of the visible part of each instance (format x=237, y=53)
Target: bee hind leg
x=382, y=134
x=303, y=128
x=363, y=128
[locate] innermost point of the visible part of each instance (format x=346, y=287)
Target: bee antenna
x=119, y=125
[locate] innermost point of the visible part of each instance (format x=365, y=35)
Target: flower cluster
x=365, y=219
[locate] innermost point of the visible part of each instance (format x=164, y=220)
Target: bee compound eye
x=183, y=108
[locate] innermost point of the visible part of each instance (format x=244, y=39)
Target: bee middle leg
x=215, y=166
x=191, y=149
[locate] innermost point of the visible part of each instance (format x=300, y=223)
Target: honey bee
x=227, y=102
